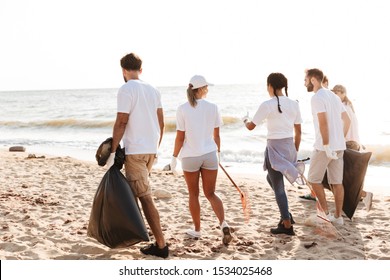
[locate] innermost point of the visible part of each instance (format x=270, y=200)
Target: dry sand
x=45, y=205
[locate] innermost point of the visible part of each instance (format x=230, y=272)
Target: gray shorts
x=320, y=163
x=208, y=161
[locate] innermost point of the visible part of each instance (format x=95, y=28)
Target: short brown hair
x=131, y=61
x=315, y=73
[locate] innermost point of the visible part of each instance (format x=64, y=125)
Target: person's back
x=326, y=101
x=279, y=125
x=198, y=141
x=331, y=122
x=140, y=124
x=198, y=122
x=141, y=101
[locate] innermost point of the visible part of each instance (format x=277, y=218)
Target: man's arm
x=324, y=129
x=160, y=116
x=119, y=130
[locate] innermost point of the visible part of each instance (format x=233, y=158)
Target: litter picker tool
x=244, y=196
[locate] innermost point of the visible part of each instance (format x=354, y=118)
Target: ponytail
x=280, y=110
x=191, y=95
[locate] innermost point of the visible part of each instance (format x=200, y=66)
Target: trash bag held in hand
x=104, y=151
x=115, y=219
x=355, y=168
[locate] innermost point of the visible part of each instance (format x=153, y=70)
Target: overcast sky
x=47, y=44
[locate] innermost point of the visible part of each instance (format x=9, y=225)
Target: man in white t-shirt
x=331, y=123
x=140, y=123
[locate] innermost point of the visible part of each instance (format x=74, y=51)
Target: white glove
x=173, y=164
x=110, y=161
x=245, y=118
x=219, y=157
x=329, y=153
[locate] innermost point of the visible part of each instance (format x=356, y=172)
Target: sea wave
x=170, y=123
x=58, y=123
x=380, y=154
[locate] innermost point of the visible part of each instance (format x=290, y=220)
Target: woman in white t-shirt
x=197, y=144
x=283, y=118
x=352, y=138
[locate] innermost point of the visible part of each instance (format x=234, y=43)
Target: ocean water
x=75, y=122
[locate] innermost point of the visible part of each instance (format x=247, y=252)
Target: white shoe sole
x=193, y=233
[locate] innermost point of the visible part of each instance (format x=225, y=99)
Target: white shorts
x=320, y=163
x=208, y=161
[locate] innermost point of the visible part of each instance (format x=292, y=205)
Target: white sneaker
x=194, y=233
x=367, y=200
x=337, y=221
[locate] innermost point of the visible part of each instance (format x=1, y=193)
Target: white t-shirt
x=353, y=132
x=141, y=101
x=279, y=125
x=198, y=124
x=326, y=101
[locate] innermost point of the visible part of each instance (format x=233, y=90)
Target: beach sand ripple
x=45, y=203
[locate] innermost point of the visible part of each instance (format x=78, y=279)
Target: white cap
x=199, y=81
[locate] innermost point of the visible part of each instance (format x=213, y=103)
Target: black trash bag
x=355, y=168
x=115, y=218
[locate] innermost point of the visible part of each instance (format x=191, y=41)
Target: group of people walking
x=140, y=125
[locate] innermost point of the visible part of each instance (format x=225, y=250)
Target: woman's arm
x=217, y=138
x=249, y=125
x=297, y=136
x=179, y=140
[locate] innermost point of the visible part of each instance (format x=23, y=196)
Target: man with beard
x=140, y=122
x=331, y=124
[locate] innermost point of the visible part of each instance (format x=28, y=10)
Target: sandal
x=308, y=197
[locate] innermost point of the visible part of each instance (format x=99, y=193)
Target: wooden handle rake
x=244, y=196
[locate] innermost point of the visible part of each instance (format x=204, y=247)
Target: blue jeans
x=275, y=179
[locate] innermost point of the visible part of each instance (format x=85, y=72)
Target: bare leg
x=153, y=218
x=287, y=223
x=338, y=192
x=209, y=179
x=192, y=180
x=320, y=193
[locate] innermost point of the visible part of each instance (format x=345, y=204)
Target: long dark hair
x=278, y=81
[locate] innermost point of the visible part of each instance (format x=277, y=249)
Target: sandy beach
x=45, y=203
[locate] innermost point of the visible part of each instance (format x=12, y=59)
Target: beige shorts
x=137, y=173
x=320, y=163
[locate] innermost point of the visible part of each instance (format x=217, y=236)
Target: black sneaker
x=291, y=219
x=281, y=229
x=152, y=249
